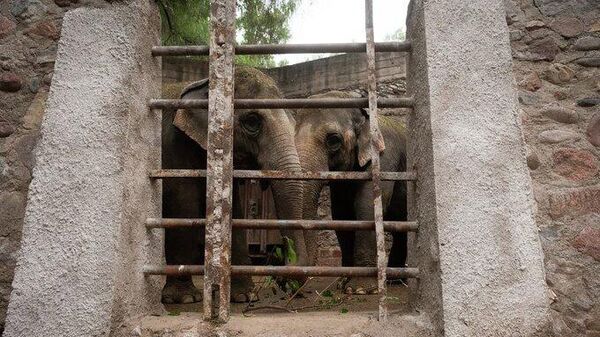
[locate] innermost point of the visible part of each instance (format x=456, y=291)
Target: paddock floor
x=319, y=294
x=316, y=313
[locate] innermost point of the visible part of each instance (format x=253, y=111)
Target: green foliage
x=398, y=35
x=290, y=250
x=186, y=22
x=283, y=256
x=327, y=293
x=344, y=311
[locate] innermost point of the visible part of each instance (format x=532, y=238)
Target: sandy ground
x=317, y=312
x=321, y=294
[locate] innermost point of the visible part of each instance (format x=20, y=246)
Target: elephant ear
x=364, y=139
x=194, y=122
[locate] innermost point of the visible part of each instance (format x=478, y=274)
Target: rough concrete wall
x=79, y=268
x=29, y=31
x=181, y=69
x=473, y=181
x=307, y=78
x=556, y=52
x=339, y=71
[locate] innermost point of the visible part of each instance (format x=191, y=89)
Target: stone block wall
x=556, y=55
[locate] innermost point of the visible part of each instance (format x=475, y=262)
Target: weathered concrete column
x=478, y=247
x=84, y=243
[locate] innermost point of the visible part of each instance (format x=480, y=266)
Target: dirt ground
x=322, y=310
x=319, y=294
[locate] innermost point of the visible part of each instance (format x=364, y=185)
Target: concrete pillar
x=79, y=269
x=478, y=247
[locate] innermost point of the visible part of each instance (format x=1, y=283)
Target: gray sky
x=320, y=21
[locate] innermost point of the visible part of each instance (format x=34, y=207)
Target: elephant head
x=331, y=140
x=263, y=139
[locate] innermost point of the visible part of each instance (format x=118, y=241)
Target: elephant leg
x=242, y=287
x=365, y=247
x=342, y=196
x=397, y=211
x=183, y=199
x=346, y=242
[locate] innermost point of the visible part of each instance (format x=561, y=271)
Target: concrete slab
x=478, y=250
x=79, y=269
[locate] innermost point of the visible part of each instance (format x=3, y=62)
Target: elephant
x=263, y=139
x=339, y=140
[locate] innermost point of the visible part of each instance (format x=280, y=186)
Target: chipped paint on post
x=219, y=178
x=375, y=166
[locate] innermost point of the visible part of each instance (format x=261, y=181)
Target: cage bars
x=217, y=270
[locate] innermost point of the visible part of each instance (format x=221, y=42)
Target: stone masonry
x=556, y=60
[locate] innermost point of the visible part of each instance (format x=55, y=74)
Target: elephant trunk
x=312, y=160
x=287, y=194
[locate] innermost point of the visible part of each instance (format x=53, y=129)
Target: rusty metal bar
x=177, y=270
x=342, y=225
x=375, y=163
x=287, y=175
x=266, y=49
x=285, y=103
x=219, y=177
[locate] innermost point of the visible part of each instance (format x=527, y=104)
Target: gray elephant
x=263, y=139
x=339, y=140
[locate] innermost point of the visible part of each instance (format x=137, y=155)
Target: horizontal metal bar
x=266, y=49
x=286, y=103
x=358, y=225
x=287, y=175
x=176, y=270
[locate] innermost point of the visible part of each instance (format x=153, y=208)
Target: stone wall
x=556, y=53
x=29, y=31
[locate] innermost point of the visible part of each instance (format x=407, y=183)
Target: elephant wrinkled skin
x=263, y=139
x=339, y=140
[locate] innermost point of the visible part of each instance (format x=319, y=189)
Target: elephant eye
x=334, y=142
x=252, y=123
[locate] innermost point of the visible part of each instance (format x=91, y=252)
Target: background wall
x=556, y=51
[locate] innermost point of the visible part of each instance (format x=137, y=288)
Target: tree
x=186, y=22
x=398, y=35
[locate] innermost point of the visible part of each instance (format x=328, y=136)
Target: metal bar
x=265, y=49
x=375, y=163
x=342, y=225
x=219, y=177
x=177, y=270
x=287, y=175
x=285, y=103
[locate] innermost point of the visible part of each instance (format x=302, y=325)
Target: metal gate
x=219, y=174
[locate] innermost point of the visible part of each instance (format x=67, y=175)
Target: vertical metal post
x=219, y=177
x=375, y=165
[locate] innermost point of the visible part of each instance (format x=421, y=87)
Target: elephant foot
x=181, y=292
x=237, y=297
x=242, y=290
x=360, y=286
